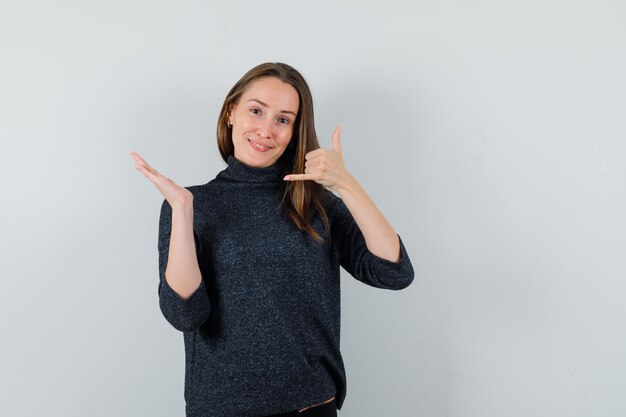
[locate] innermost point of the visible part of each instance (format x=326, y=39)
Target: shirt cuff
x=397, y=275
x=184, y=314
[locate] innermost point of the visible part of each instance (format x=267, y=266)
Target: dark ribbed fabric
x=262, y=330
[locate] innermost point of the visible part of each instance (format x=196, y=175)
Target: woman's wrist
x=348, y=186
x=184, y=209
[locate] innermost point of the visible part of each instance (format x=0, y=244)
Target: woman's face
x=263, y=120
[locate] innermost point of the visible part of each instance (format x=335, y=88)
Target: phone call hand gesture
x=172, y=192
x=325, y=166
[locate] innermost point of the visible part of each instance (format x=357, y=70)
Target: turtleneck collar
x=239, y=172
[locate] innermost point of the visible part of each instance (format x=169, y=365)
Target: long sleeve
x=362, y=264
x=184, y=314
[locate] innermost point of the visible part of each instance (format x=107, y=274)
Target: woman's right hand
x=173, y=193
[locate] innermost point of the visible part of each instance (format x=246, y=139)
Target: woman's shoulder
x=199, y=192
x=195, y=190
x=207, y=193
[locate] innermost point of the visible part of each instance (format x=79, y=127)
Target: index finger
x=135, y=155
x=141, y=163
x=138, y=158
x=299, y=177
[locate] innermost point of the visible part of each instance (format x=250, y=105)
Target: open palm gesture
x=173, y=193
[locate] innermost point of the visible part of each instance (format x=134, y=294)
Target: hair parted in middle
x=301, y=199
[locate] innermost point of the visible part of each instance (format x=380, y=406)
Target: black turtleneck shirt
x=262, y=330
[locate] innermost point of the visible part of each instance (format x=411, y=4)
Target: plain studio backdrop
x=490, y=133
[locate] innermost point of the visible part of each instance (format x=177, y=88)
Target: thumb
x=336, y=139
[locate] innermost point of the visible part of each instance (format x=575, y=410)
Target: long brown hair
x=301, y=199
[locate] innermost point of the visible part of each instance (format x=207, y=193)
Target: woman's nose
x=265, y=128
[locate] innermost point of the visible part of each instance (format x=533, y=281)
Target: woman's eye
x=283, y=120
x=255, y=111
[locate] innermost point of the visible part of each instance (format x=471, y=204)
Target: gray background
x=490, y=133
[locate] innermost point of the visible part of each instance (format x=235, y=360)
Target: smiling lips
x=258, y=147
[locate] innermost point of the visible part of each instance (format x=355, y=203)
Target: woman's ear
x=229, y=114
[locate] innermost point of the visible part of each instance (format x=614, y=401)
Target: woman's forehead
x=272, y=93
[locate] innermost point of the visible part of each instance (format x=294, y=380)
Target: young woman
x=249, y=262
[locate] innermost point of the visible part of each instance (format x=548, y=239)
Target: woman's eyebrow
x=265, y=105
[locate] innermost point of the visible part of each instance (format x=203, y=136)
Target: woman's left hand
x=325, y=166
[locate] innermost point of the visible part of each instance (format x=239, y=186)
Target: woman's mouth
x=258, y=147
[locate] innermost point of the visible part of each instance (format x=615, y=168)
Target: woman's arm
x=381, y=239
x=184, y=303
x=182, y=273
x=326, y=167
